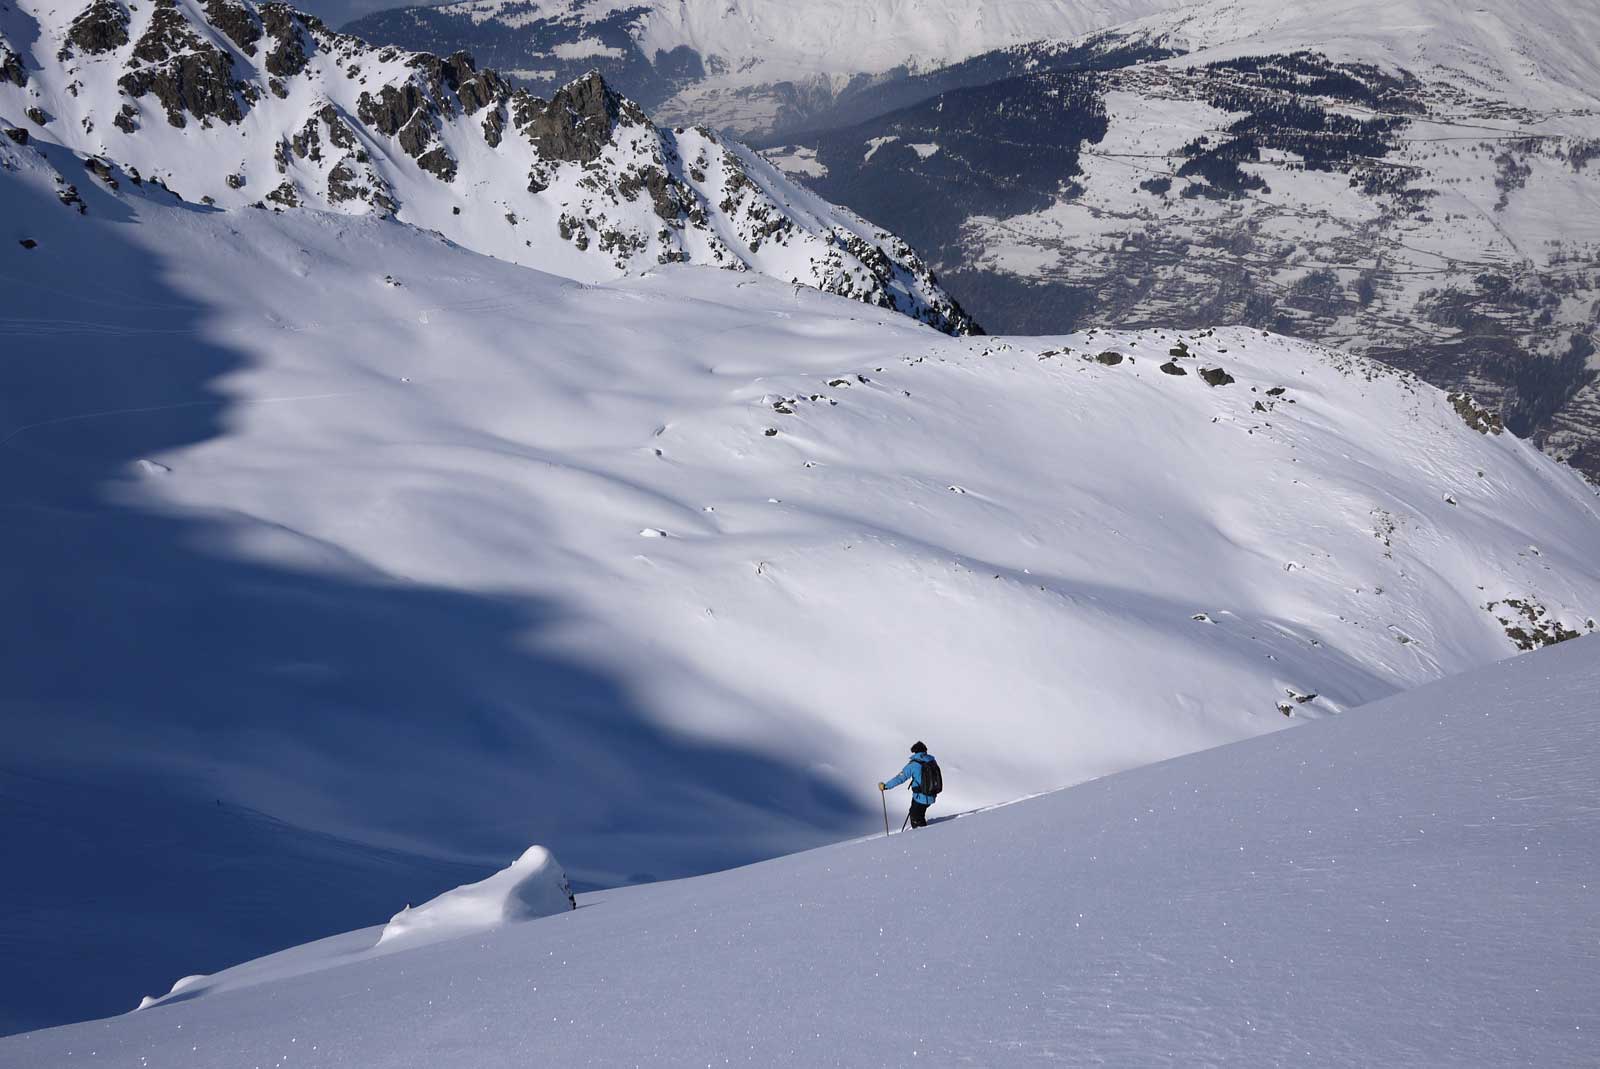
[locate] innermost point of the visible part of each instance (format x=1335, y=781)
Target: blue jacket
x=913, y=772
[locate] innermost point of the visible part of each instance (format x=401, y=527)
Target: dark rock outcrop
x=236, y=22
x=307, y=144
x=285, y=195
x=11, y=68
x=439, y=163
x=189, y=75
x=1475, y=416
x=288, y=54
x=494, y=125
x=403, y=113
x=575, y=126
x=670, y=198
x=101, y=27
x=339, y=132
x=459, y=74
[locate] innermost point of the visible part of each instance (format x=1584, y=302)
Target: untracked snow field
x=345, y=563
x=1413, y=883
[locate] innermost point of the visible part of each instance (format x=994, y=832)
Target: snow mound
x=178, y=988
x=532, y=886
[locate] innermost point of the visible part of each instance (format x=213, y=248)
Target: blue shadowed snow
x=208, y=758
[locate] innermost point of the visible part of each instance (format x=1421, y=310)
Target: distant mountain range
x=1410, y=179
x=747, y=65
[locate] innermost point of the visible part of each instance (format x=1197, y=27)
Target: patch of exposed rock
x=1476, y=416
x=11, y=68
x=575, y=126
x=99, y=28
x=188, y=74
x=236, y=22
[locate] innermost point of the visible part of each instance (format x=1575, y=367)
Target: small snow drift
x=532, y=886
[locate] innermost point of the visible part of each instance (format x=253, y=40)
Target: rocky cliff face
x=235, y=104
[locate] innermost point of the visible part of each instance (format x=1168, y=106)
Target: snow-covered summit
x=232, y=104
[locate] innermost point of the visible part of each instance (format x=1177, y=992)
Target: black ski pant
x=919, y=815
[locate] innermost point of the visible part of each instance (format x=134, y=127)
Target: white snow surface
x=379, y=597
x=1414, y=883
x=532, y=886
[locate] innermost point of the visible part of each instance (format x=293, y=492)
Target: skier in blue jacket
x=920, y=759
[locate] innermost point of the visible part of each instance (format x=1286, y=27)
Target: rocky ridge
x=234, y=104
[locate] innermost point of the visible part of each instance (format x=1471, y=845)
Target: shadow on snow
x=208, y=758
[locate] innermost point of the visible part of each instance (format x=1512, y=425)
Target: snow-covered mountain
x=232, y=104
x=1410, y=884
x=745, y=65
x=1541, y=53
x=1415, y=181
x=352, y=561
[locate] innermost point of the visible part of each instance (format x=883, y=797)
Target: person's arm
x=905, y=774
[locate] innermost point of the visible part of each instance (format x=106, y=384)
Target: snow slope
x=356, y=561
x=1413, y=883
x=238, y=104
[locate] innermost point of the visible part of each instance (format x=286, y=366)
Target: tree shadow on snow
x=209, y=758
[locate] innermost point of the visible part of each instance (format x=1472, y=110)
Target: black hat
x=918, y=747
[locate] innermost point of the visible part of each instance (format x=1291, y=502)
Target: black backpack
x=932, y=778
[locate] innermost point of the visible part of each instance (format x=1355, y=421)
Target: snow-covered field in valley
x=1413, y=883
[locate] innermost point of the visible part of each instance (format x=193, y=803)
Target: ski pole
x=906, y=821
x=885, y=802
